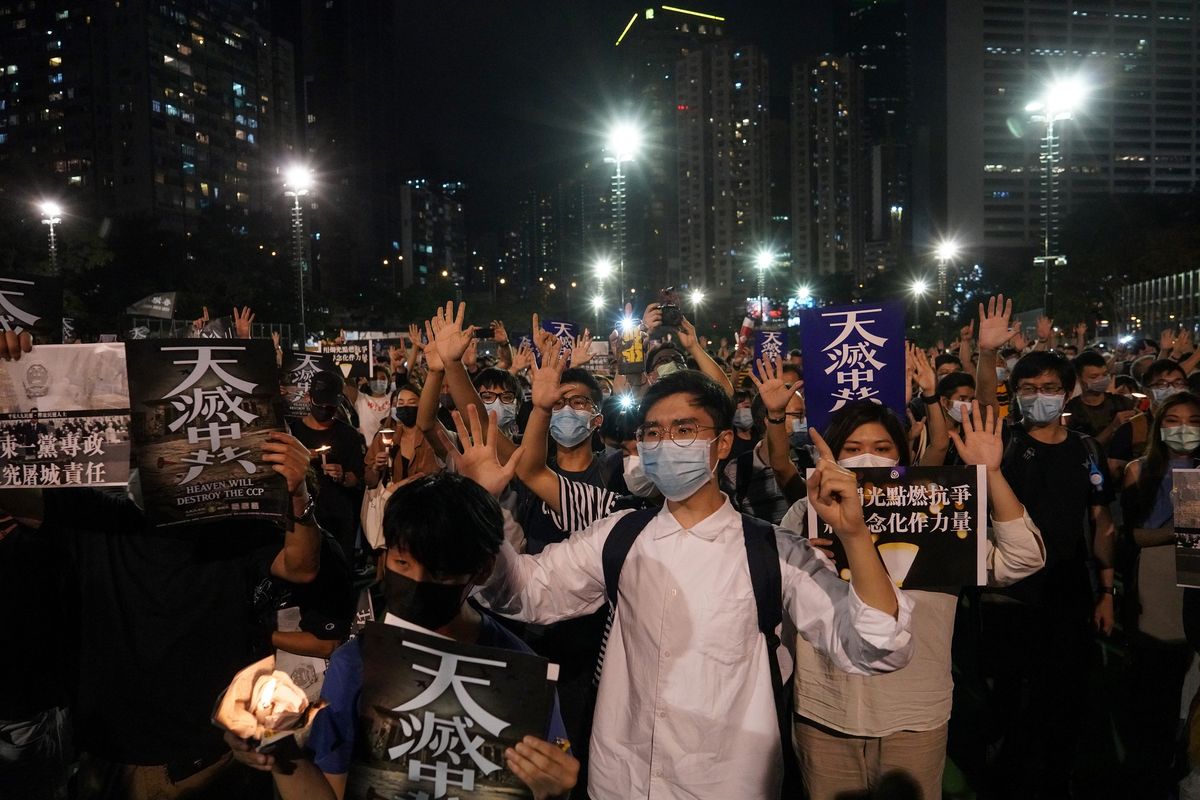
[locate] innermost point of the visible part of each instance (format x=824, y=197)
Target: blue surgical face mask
x=569, y=427
x=678, y=472
x=505, y=412
x=743, y=419
x=636, y=479
x=1041, y=409
x=378, y=387
x=1161, y=393
x=798, y=435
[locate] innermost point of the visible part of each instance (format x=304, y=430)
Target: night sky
x=507, y=95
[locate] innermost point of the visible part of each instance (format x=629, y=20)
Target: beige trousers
x=837, y=766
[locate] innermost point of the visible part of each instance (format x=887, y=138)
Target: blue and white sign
x=852, y=353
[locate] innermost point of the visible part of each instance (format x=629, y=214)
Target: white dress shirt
x=685, y=707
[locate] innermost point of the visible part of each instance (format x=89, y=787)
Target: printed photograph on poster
x=31, y=303
x=1185, y=491
x=353, y=359
x=929, y=525
x=200, y=415
x=296, y=374
x=437, y=715
x=64, y=417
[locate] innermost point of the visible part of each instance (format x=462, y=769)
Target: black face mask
x=322, y=413
x=405, y=415
x=430, y=605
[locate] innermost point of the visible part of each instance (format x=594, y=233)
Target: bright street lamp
x=51, y=216
x=918, y=288
x=803, y=294
x=298, y=182
x=945, y=252
x=697, y=297
x=1061, y=99
x=603, y=268
x=762, y=262
x=624, y=141
x=597, y=304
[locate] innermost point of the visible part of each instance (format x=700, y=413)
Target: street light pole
x=297, y=183
x=51, y=216
x=763, y=262
x=624, y=140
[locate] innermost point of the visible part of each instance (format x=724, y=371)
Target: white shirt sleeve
x=1014, y=551
x=564, y=581
x=831, y=616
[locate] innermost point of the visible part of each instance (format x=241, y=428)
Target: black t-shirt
x=39, y=624
x=166, y=620
x=327, y=604
x=1059, y=484
x=1092, y=420
x=337, y=506
x=540, y=530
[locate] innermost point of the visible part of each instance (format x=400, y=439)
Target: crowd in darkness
x=485, y=493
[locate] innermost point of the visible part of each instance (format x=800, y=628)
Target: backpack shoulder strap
x=762, y=555
x=745, y=467
x=617, y=546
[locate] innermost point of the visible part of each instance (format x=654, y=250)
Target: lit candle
x=324, y=450
x=387, y=434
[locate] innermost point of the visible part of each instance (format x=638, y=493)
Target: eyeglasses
x=1172, y=385
x=507, y=398
x=579, y=402
x=681, y=433
x=1030, y=391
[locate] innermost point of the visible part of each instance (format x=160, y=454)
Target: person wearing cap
x=339, y=468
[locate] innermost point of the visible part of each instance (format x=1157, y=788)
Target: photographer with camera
x=669, y=342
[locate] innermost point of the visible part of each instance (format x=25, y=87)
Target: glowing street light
x=51, y=216
x=917, y=288
x=945, y=252
x=624, y=142
x=298, y=182
x=762, y=262
x=696, y=296
x=603, y=268
x=803, y=294
x=1058, y=103
x=597, y=305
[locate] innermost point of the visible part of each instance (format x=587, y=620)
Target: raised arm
x=935, y=419
x=299, y=560
x=775, y=395
x=431, y=391
x=994, y=331
x=689, y=339
x=533, y=472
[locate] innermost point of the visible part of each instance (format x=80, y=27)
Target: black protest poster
x=31, y=303
x=297, y=373
x=1185, y=496
x=929, y=525
x=352, y=359
x=64, y=417
x=201, y=413
x=435, y=716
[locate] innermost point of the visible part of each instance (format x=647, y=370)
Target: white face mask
x=867, y=460
x=635, y=477
x=959, y=410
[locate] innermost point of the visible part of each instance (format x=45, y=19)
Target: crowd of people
x=648, y=531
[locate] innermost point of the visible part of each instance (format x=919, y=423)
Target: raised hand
x=923, y=373
x=499, y=332
x=289, y=458
x=1081, y=329
x=1045, y=327
x=198, y=325
x=1019, y=341
x=522, y=358
x=471, y=357
x=478, y=460
x=543, y=340
x=433, y=358
x=1183, y=343
x=687, y=334
x=833, y=492
x=546, y=379
x=242, y=321
x=775, y=393
x=452, y=337
x=967, y=333
x=994, y=328
x=581, y=350
x=653, y=317
x=980, y=443
x=414, y=336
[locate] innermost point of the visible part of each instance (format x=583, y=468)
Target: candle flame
x=267, y=698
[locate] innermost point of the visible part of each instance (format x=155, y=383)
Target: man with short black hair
x=1160, y=380
x=1096, y=411
x=685, y=702
x=946, y=363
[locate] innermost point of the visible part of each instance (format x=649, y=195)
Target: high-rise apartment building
x=1135, y=130
x=829, y=170
x=433, y=241
x=158, y=110
x=722, y=133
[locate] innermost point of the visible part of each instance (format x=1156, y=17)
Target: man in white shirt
x=685, y=706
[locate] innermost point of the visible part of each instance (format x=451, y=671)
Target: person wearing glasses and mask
x=1162, y=379
x=1039, y=631
x=501, y=393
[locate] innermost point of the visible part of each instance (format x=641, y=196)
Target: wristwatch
x=777, y=420
x=306, y=516
x=930, y=400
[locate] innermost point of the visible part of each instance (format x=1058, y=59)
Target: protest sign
x=31, y=303
x=352, y=359
x=435, y=716
x=852, y=353
x=769, y=346
x=64, y=417
x=928, y=523
x=201, y=414
x=1185, y=494
x=297, y=372
x=160, y=305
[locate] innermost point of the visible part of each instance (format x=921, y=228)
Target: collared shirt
x=685, y=706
